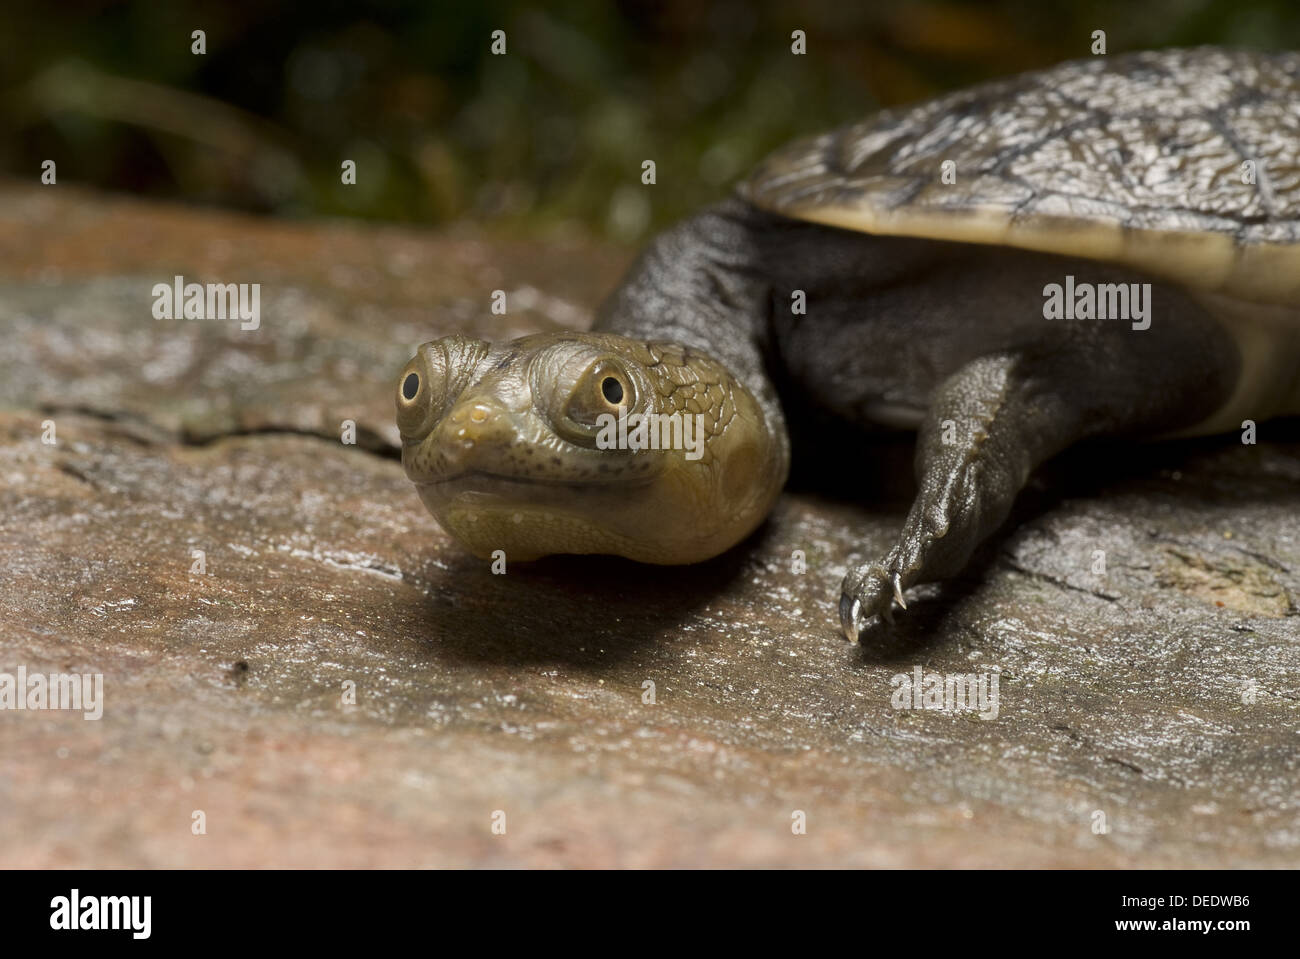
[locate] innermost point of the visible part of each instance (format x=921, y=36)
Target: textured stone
x=1120, y=693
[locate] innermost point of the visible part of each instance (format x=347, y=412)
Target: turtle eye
x=612, y=390
x=410, y=386
x=601, y=390
x=416, y=399
x=433, y=380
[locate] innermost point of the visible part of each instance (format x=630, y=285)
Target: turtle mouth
x=532, y=517
x=499, y=486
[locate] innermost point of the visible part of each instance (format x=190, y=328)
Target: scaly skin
x=502, y=442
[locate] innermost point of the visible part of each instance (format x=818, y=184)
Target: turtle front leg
x=988, y=427
x=993, y=421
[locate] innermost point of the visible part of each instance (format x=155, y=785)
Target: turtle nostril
x=411, y=385
x=478, y=422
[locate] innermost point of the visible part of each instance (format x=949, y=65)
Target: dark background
x=556, y=130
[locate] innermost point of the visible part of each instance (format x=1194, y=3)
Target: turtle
x=1109, y=247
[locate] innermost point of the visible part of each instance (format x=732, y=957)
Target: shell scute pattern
x=1151, y=141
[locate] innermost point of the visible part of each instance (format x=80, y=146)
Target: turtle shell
x=1182, y=163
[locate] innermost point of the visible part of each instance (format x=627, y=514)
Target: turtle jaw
x=526, y=519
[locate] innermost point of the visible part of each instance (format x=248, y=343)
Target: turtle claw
x=850, y=609
x=869, y=591
x=898, y=591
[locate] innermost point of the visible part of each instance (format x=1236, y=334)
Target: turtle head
x=585, y=443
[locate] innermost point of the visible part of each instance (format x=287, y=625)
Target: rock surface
x=1157, y=699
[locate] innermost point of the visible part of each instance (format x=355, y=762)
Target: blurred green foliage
x=556, y=129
